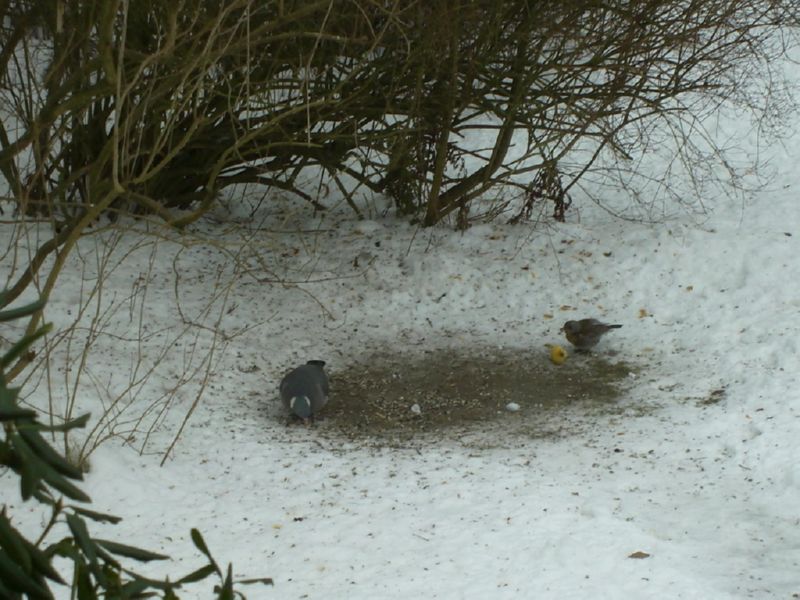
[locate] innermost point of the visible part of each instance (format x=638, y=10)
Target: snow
x=695, y=497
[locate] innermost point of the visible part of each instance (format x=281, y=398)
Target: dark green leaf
x=153, y=583
x=106, y=557
x=64, y=548
x=77, y=423
x=112, y=571
x=18, y=313
x=129, y=551
x=96, y=516
x=21, y=347
x=83, y=582
x=12, y=542
x=7, y=593
x=65, y=487
x=264, y=580
x=29, y=478
x=8, y=398
x=226, y=592
x=13, y=413
x=169, y=594
x=134, y=589
x=43, y=495
x=198, y=575
x=42, y=471
x=41, y=562
x=82, y=538
x=14, y=577
x=37, y=562
x=200, y=543
x=87, y=546
x=46, y=452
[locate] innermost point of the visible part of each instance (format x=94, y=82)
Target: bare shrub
x=105, y=348
x=115, y=108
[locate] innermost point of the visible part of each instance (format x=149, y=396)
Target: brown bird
x=585, y=334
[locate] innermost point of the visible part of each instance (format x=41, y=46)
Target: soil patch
x=446, y=390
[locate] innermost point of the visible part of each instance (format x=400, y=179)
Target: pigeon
x=304, y=390
x=585, y=334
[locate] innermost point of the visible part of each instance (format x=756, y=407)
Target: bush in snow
x=115, y=107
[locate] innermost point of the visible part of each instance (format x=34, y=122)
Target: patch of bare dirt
x=448, y=391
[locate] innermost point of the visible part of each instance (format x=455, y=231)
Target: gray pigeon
x=585, y=334
x=304, y=390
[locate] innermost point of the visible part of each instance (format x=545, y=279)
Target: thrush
x=585, y=334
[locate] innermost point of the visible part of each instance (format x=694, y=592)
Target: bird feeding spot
x=453, y=390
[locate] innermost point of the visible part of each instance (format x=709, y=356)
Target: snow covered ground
x=696, y=497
